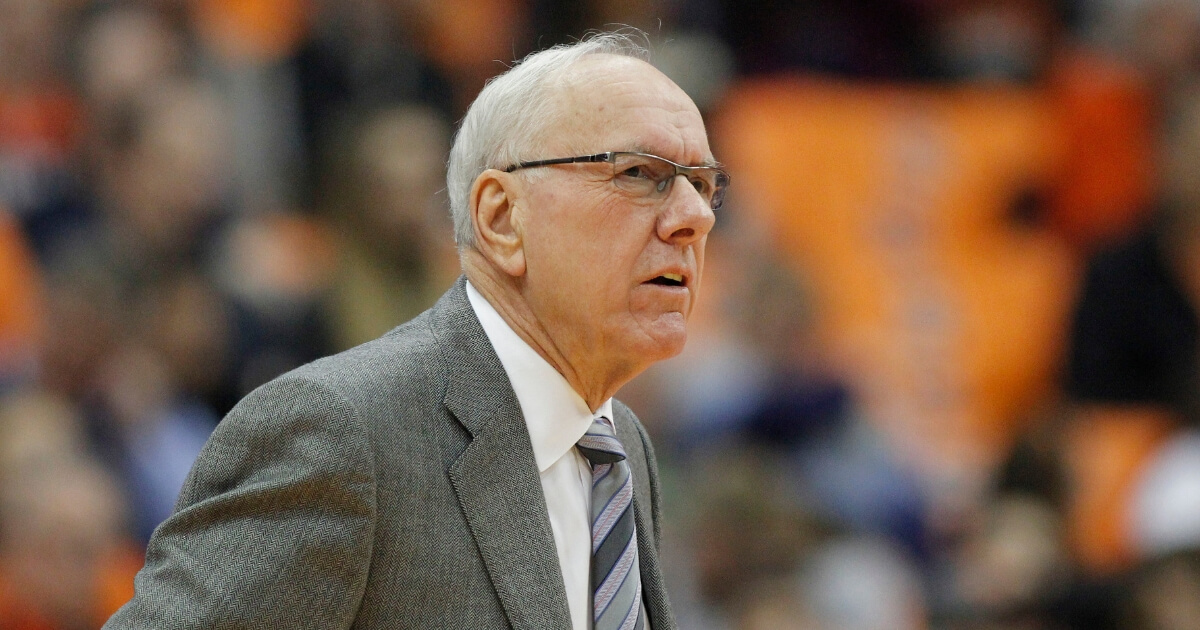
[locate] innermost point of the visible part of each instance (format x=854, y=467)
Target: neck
x=578, y=363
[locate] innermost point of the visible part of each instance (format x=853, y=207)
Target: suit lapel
x=496, y=477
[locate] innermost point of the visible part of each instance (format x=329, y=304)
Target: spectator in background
x=40, y=116
x=155, y=430
x=123, y=53
x=83, y=308
x=749, y=530
x=383, y=202
x=165, y=194
x=272, y=270
x=358, y=56
x=38, y=426
x=119, y=56
x=65, y=559
x=838, y=463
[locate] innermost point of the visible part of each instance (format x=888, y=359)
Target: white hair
x=512, y=112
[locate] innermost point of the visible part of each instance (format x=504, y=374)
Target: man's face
x=599, y=260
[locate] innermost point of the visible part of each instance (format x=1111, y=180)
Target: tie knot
x=600, y=444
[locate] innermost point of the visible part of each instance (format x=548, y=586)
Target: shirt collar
x=555, y=414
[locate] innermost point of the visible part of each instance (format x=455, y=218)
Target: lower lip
x=666, y=287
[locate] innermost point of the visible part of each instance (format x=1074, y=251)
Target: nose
x=686, y=216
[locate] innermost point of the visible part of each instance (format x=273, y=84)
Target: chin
x=666, y=337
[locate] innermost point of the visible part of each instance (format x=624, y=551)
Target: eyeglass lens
x=647, y=175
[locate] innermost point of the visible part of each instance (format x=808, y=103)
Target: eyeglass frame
x=611, y=156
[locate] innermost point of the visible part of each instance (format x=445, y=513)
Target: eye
x=700, y=185
x=636, y=172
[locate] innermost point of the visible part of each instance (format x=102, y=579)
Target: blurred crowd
x=945, y=375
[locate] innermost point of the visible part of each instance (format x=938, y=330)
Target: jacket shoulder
x=404, y=359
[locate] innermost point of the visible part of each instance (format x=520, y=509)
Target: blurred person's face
x=35, y=426
x=123, y=53
x=611, y=277
x=136, y=383
x=191, y=325
x=56, y=541
x=275, y=264
x=83, y=315
x=175, y=173
x=400, y=157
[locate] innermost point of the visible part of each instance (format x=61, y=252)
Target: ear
x=495, y=217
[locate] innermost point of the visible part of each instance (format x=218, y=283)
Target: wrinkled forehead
x=615, y=103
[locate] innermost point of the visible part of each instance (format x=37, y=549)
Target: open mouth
x=668, y=280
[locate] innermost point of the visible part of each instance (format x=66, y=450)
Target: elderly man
x=470, y=469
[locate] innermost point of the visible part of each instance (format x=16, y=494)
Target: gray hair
x=512, y=112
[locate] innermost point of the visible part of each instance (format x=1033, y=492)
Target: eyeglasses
x=647, y=175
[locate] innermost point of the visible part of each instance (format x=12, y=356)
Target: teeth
x=674, y=277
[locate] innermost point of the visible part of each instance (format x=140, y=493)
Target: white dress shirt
x=557, y=417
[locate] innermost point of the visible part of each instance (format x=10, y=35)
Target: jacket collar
x=496, y=477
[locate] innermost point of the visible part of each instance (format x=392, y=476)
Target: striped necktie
x=616, y=581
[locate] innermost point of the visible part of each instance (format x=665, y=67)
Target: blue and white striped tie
x=616, y=581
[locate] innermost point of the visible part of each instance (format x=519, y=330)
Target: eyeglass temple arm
x=599, y=157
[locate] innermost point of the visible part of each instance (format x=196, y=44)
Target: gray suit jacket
x=390, y=486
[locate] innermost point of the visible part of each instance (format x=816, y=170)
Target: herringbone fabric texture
x=390, y=487
x=616, y=580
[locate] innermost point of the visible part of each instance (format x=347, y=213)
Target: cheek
x=568, y=273
x=602, y=248
x=588, y=246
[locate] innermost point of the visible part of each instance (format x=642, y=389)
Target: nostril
x=683, y=233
